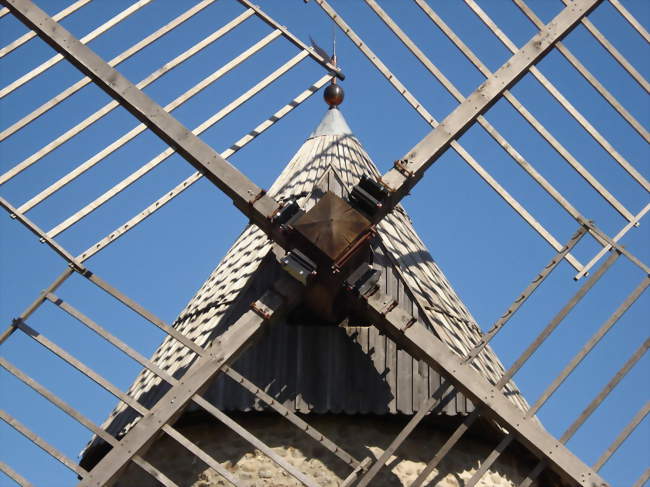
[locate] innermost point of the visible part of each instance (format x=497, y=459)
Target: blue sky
x=488, y=253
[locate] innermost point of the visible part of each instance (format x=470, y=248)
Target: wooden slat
x=326, y=63
x=232, y=342
x=446, y=447
x=201, y=454
x=134, y=49
x=593, y=405
x=133, y=177
x=84, y=40
x=66, y=408
x=41, y=443
x=627, y=431
x=566, y=104
x=31, y=34
x=526, y=293
x=257, y=443
x=291, y=416
x=609, y=47
x=414, y=337
x=180, y=100
x=517, y=105
x=557, y=319
x=607, y=247
x=587, y=347
x=249, y=198
x=174, y=192
x=37, y=302
x=113, y=340
x=81, y=367
x=631, y=19
x=392, y=79
x=593, y=81
x=15, y=476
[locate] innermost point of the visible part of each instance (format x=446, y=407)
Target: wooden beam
x=247, y=196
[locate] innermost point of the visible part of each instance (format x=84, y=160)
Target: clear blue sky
x=488, y=253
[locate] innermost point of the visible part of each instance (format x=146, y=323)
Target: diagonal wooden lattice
x=260, y=208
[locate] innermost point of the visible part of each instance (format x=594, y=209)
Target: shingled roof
x=323, y=369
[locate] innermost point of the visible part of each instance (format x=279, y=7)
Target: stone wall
x=361, y=436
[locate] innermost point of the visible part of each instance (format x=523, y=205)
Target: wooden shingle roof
x=351, y=369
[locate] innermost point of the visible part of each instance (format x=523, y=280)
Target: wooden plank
x=589, y=345
x=131, y=134
x=116, y=342
x=562, y=100
x=45, y=107
x=446, y=447
x=529, y=117
x=31, y=34
x=631, y=19
x=557, y=319
x=512, y=202
x=15, y=476
x=561, y=377
x=253, y=440
x=326, y=63
x=593, y=405
x=185, y=184
x=627, y=431
x=247, y=196
x=196, y=379
x=201, y=454
x=41, y=443
x=149, y=166
x=81, y=367
x=422, y=344
x=112, y=22
x=525, y=294
x=607, y=247
x=615, y=53
x=291, y=416
x=591, y=79
x=37, y=303
x=81, y=419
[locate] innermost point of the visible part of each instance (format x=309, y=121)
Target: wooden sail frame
x=259, y=208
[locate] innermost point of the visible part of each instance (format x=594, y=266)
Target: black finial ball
x=333, y=95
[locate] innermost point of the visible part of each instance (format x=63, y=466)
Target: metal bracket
x=400, y=165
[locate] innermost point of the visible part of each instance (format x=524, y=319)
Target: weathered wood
x=393, y=80
x=197, y=378
x=149, y=166
x=31, y=34
x=422, y=344
x=562, y=100
x=188, y=182
x=134, y=132
x=247, y=196
x=112, y=22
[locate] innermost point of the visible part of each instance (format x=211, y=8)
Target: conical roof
x=345, y=368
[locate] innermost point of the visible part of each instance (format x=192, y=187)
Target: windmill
x=330, y=256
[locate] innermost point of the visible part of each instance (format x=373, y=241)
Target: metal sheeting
x=323, y=369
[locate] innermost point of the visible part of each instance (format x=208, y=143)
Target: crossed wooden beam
x=266, y=213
